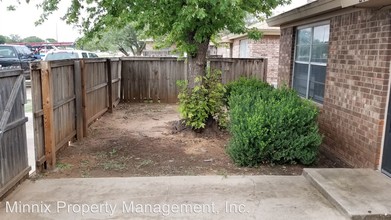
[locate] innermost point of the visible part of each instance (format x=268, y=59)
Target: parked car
x=68, y=54
x=16, y=55
x=44, y=49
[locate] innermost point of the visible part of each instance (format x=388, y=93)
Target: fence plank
x=47, y=98
x=163, y=82
x=109, y=84
x=136, y=83
x=155, y=81
x=84, y=98
x=118, y=85
x=36, y=93
x=79, y=101
x=122, y=84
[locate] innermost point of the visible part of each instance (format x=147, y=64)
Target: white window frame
x=312, y=25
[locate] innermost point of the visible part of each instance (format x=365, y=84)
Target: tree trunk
x=196, y=65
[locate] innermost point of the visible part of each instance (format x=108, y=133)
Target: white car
x=68, y=54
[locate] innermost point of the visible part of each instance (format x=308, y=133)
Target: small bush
x=203, y=102
x=271, y=125
x=244, y=84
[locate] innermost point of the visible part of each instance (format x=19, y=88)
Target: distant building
x=151, y=51
x=240, y=46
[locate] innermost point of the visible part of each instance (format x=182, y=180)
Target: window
x=243, y=49
x=7, y=52
x=61, y=56
x=311, y=52
x=92, y=55
x=84, y=55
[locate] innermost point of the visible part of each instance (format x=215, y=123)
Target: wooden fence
x=13, y=141
x=67, y=97
x=154, y=79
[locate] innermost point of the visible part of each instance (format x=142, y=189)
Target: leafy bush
x=203, y=102
x=271, y=125
x=245, y=84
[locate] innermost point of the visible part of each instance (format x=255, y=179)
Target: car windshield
x=61, y=56
x=23, y=50
x=7, y=52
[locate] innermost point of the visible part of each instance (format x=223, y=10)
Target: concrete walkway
x=210, y=197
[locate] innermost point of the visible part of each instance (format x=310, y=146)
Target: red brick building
x=337, y=53
x=240, y=46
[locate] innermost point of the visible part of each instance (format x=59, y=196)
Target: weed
x=113, y=165
x=145, y=163
x=223, y=173
x=189, y=173
x=113, y=152
x=85, y=174
x=84, y=163
x=101, y=155
x=63, y=166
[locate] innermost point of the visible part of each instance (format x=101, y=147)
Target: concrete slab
x=200, y=197
x=360, y=193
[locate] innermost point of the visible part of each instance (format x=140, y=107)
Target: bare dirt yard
x=147, y=140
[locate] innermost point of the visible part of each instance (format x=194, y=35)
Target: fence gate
x=13, y=141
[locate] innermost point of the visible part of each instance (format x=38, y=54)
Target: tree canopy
x=32, y=39
x=189, y=24
x=116, y=39
x=14, y=38
x=51, y=40
x=3, y=39
x=186, y=23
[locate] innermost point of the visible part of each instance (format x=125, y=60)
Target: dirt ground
x=147, y=140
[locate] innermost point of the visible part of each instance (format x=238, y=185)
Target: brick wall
x=286, y=55
x=268, y=47
x=353, y=112
x=356, y=86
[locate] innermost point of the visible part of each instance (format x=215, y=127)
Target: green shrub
x=245, y=84
x=203, y=102
x=271, y=125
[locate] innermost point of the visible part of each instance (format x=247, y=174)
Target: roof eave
x=267, y=32
x=322, y=7
x=306, y=11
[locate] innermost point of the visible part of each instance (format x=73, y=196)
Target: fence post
x=84, y=97
x=79, y=101
x=109, y=84
x=47, y=101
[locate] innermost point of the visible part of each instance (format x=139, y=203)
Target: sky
x=21, y=21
